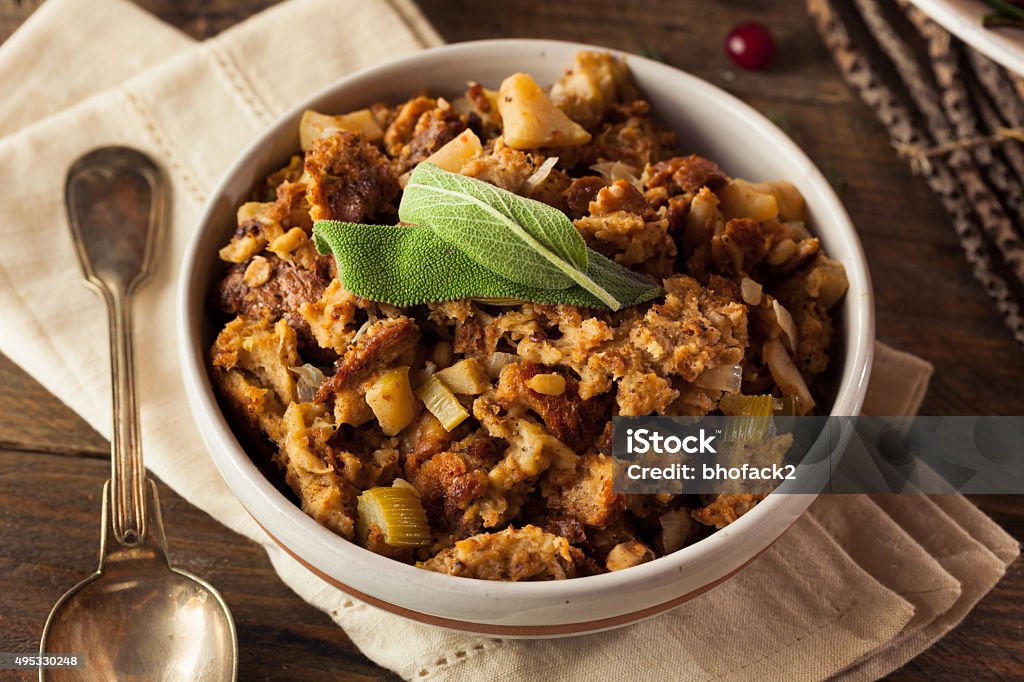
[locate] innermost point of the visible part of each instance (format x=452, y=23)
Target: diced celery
x=397, y=511
x=752, y=417
x=442, y=403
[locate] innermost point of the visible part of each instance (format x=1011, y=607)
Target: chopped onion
x=675, y=529
x=726, y=378
x=695, y=398
x=402, y=483
x=362, y=329
x=785, y=373
x=309, y=380
x=784, y=406
x=789, y=332
x=424, y=374
x=751, y=291
x=497, y=362
x=541, y=174
x=722, y=324
x=611, y=171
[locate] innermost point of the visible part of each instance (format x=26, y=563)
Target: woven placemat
x=957, y=118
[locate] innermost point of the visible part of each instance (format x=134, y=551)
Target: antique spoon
x=135, y=618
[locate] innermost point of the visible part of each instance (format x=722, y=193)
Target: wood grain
x=49, y=531
x=52, y=464
x=31, y=418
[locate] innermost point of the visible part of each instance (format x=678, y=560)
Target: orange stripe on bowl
x=514, y=630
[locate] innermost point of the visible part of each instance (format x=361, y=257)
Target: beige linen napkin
x=828, y=597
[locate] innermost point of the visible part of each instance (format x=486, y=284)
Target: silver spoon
x=135, y=618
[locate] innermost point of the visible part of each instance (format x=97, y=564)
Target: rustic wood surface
x=52, y=465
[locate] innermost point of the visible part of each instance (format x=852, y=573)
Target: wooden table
x=52, y=465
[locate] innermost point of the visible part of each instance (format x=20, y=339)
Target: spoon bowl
x=137, y=618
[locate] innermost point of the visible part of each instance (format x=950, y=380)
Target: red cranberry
x=750, y=45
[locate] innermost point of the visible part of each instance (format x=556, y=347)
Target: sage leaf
x=522, y=240
x=411, y=264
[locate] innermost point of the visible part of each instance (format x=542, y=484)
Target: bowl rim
x=231, y=458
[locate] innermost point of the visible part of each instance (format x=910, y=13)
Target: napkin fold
x=856, y=588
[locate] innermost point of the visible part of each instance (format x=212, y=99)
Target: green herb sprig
x=470, y=239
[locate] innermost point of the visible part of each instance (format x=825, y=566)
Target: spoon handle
x=127, y=471
x=116, y=201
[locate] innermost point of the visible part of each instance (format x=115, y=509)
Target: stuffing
x=349, y=179
x=451, y=480
x=502, y=166
x=323, y=494
x=585, y=492
x=497, y=414
x=571, y=420
x=278, y=291
x=808, y=294
x=527, y=553
x=568, y=527
x=291, y=207
x=483, y=114
x=594, y=82
x=643, y=393
x=691, y=330
x=629, y=240
x=618, y=228
x=581, y=192
x=682, y=175
x=255, y=409
x=330, y=317
x=724, y=509
x=404, y=122
x=382, y=343
x=628, y=554
x=263, y=351
x=627, y=134
x=531, y=450
x=421, y=127
x=420, y=441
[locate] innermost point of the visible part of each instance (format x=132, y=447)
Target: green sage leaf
x=411, y=264
x=522, y=240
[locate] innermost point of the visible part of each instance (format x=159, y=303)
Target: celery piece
x=752, y=417
x=397, y=511
x=442, y=403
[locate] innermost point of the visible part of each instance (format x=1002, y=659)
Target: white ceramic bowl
x=963, y=18
x=709, y=122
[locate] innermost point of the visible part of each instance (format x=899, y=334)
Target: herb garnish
x=470, y=239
